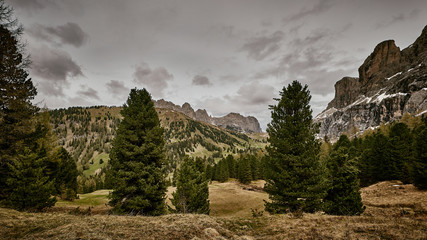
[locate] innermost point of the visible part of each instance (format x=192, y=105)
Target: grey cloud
x=312, y=66
x=258, y=48
x=55, y=67
x=31, y=5
x=321, y=35
x=155, y=79
x=320, y=7
x=254, y=93
x=88, y=92
x=200, y=80
x=117, y=88
x=399, y=18
x=297, y=63
x=230, y=78
x=266, y=23
x=313, y=38
x=69, y=33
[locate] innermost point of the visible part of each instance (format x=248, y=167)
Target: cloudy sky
x=219, y=55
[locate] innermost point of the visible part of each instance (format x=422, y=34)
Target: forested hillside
x=87, y=134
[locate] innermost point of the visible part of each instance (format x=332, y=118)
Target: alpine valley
x=87, y=133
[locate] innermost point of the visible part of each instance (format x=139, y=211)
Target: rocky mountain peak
x=384, y=59
x=188, y=110
x=390, y=83
x=232, y=121
x=346, y=91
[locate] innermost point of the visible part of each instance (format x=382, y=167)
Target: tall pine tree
x=16, y=93
x=343, y=196
x=192, y=192
x=138, y=159
x=244, y=173
x=295, y=177
x=25, y=144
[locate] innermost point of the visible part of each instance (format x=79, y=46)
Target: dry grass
x=231, y=199
x=393, y=212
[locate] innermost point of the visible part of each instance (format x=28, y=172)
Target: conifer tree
x=209, y=172
x=379, y=159
x=138, y=159
x=343, y=196
x=244, y=170
x=192, y=192
x=420, y=162
x=295, y=177
x=16, y=93
x=25, y=144
x=231, y=165
x=255, y=167
x=221, y=171
x=66, y=175
x=32, y=188
x=400, y=141
x=31, y=178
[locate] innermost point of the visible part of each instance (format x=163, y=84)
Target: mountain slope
x=391, y=82
x=87, y=134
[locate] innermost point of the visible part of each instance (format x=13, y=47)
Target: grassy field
x=394, y=211
x=96, y=163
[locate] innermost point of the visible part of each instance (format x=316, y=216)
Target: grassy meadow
x=393, y=211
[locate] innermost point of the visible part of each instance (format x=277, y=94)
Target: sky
x=220, y=55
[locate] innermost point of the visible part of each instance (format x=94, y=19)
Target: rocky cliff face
x=391, y=82
x=232, y=121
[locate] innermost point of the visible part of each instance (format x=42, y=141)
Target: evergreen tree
x=295, y=177
x=364, y=164
x=66, y=175
x=25, y=145
x=379, y=159
x=138, y=159
x=400, y=147
x=16, y=93
x=255, y=169
x=244, y=170
x=31, y=178
x=209, y=172
x=231, y=165
x=192, y=192
x=343, y=142
x=32, y=188
x=343, y=196
x=420, y=163
x=221, y=171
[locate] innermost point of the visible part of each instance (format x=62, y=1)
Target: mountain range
x=391, y=82
x=231, y=121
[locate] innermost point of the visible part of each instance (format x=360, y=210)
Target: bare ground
x=394, y=211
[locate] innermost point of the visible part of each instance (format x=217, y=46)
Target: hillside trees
x=192, y=193
x=295, y=177
x=420, y=163
x=138, y=159
x=343, y=195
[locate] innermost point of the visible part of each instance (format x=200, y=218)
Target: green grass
x=96, y=165
x=89, y=199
